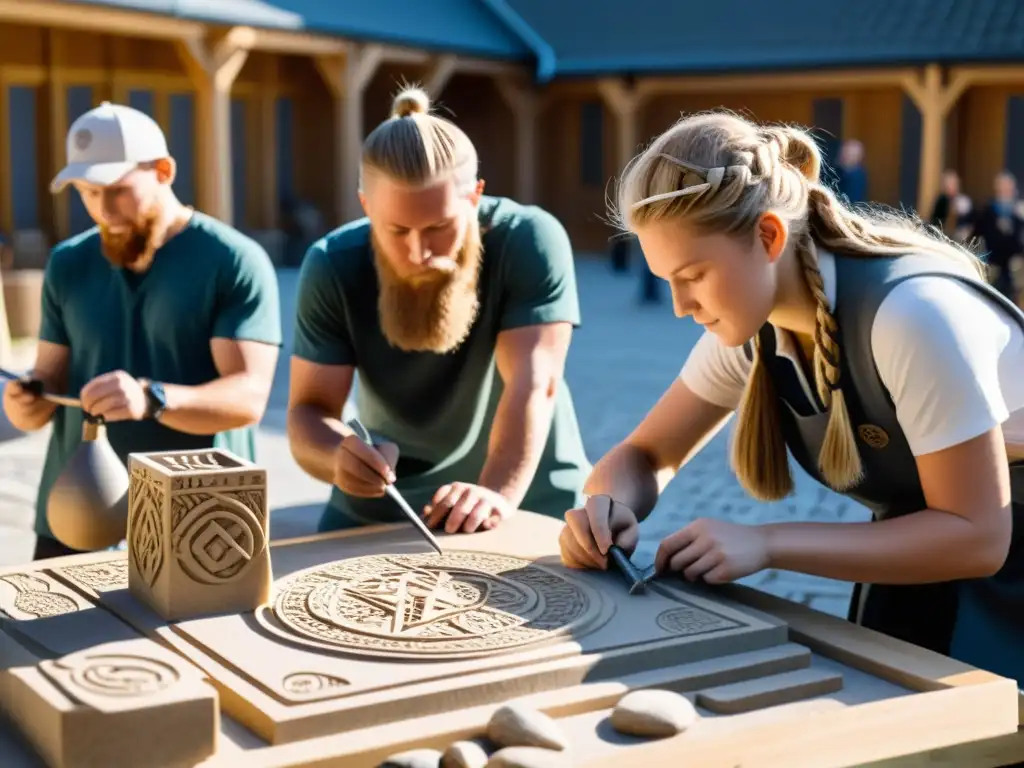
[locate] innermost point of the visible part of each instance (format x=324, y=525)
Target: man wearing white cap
x=165, y=321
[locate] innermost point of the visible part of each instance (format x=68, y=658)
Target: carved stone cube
x=198, y=533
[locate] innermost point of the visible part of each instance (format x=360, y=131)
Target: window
x=238, y=174
x=285, y=119
x=181, y=144
x=143, y=101
x=592, y=144
x=910, y=155
x=79, y=101
x=24, y=165
x=1015, y=138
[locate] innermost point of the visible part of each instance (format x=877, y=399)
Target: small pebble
x=415, y=758
x=654, y=714
x=515, y=725
x=464, y=754
x=527, y=757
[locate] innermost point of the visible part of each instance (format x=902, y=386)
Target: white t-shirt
x=951, y=359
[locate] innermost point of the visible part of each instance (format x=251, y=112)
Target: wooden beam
x=298, y=43
x=491, y=68
x=46, y=13
x=440, y=73
x=526, y=104
x=58, y=128
x=268, y=96
x=347, y=78
x=782, y=81
x=626, y=104
x=933, y=100
x=213, y=65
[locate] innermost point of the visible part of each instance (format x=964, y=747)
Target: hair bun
x=410, y=101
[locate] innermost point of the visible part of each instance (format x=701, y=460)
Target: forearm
x=229, y=402
x=522, y=422
x=314, y=437
x=627, y=475
x=920, y=548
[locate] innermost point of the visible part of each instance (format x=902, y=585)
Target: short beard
x=435, y=315
x=134, y=249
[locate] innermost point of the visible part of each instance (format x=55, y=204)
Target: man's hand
x=467, y=508
x=22, y=405
x=115, y=396
x=364, y=470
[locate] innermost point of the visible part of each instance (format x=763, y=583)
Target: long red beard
x=435, y=315
x=135, y=249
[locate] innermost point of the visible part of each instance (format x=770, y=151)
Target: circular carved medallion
x=119, y=675
x=457, y=605
x=876, y=437
x=218, y=540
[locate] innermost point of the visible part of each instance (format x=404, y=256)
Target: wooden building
x=263, y=102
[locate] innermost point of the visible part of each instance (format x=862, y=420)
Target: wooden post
x=347, y=78
x=269, y=92
x=625, y=102
x=441, y=71
x=526, y=105
x=58, y=129
x=213, y=66
x=933, y=100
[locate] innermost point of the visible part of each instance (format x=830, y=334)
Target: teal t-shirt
x=439, y=408
x=209, y=281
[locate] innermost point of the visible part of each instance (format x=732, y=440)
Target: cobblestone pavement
x=622, y=359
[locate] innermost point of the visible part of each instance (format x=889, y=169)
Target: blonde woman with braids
x=456, y=309
x=870, y=347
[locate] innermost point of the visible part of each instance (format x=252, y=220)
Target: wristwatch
x=156, y=400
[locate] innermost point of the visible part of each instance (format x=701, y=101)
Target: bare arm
x=530, y=361
x=316, y=397
x=27, y=413
x=237, y=398
x=963, y=534
x=636, y=471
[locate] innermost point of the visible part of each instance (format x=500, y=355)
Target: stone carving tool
x=36, y=388
x=635, y=578
x=363, y=434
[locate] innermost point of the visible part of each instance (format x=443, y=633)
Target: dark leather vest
x=979, y=621
x=890, y=485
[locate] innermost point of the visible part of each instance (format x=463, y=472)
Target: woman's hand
x=714, y=551
x=593, y=528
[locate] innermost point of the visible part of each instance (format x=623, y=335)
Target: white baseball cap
x=108, y=142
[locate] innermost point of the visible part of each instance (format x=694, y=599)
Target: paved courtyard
x=622, y=359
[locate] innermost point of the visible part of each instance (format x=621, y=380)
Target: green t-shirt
x=439, y=408
x=209, y=281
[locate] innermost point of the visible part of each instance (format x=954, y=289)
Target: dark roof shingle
x=619, y=36
x=458, y=26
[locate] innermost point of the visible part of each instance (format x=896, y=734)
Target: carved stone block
x=198, y=533
x=118, y=705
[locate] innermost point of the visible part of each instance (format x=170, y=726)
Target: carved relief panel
x=198, y=533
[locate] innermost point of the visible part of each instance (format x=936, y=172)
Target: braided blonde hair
x=722, y=173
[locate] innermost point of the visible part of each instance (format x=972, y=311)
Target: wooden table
x=887, y=704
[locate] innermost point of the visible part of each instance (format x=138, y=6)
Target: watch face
x=157, y=399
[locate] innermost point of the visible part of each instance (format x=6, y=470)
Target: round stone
x=464, y=754
x=415, y=758
x=516, y=725
x=654, y=714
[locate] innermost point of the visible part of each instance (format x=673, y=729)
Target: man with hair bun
x=456, y=309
